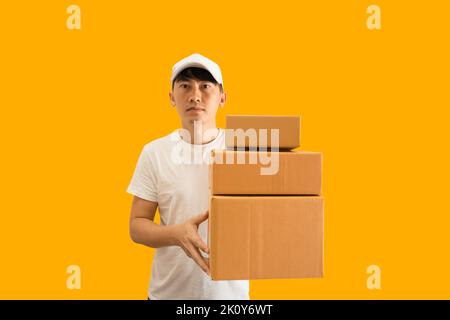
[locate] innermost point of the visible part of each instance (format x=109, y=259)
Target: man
x=172, y=174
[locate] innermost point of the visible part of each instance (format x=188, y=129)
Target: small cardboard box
x=269, y=173
x=288, y=126
x=265, y=237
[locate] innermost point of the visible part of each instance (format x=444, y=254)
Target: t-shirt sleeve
x=144, y=182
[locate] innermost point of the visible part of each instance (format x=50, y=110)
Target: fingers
x=187, y=252
x=197, y=257
x=192, y=251
x=200, y=218
x=198, y=242
x=191, y=243
x=203, y=247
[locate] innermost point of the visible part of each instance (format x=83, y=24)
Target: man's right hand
x=187, y=237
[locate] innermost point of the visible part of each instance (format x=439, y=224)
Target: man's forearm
x=150, y=234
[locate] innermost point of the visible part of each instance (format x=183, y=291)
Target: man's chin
x=194, y=117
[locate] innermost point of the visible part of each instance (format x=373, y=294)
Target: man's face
x=196, y=100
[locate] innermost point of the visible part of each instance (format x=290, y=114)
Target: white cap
x=198, y=61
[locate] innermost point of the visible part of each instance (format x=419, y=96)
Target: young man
x=170, y=176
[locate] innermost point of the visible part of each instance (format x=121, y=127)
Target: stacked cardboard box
x=266, y=208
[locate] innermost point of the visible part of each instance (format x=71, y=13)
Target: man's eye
x=206, y=85
x=183, y=85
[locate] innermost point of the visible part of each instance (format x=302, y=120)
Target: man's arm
x=142, y=228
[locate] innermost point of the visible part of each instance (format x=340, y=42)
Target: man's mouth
x=195, y=109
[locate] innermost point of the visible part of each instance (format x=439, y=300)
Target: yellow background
x=77, y=106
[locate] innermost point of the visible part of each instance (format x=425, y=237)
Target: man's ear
x=172, y=100
x=223, y=99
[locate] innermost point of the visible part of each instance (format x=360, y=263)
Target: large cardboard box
x=288, y=126
x=274, y=173
x=267, y=237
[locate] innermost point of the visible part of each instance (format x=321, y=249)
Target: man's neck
x=199, y=133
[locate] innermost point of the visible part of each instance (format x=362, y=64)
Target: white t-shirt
x=174, y=173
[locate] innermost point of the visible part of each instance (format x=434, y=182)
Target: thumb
x=201, y=217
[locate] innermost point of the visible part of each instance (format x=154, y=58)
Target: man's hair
x=196, y=74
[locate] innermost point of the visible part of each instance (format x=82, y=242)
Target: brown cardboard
x=289, y=130
x=240, y=172
x=265, y=237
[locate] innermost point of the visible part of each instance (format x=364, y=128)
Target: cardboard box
x=288, y=126
x=265, y=237
x=269, y=173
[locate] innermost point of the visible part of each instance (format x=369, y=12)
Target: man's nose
x=195, y=94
